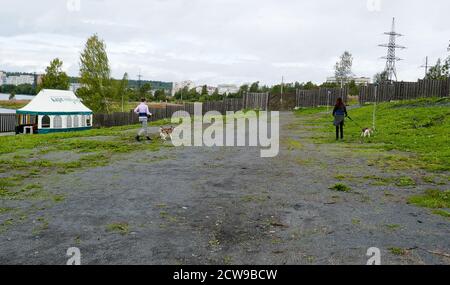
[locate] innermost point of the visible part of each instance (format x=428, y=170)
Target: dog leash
x=354, y=122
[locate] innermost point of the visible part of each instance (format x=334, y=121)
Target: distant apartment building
x=74, y=87
x=358, y=80
x=2, y=78
x=211, y=89
x=177, y=86
x=227, y=89
x=19, y=80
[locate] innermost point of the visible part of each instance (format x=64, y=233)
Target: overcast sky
x=223, y=41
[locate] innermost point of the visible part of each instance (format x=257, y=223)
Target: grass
x=433, y=199
x=121, y=228
x=96, y=152
x=310, y=111
x=293, y=144
x=405, y=182
x=393, y=227
x=418, y=127
x=340, y=187
x=398, y=251
x=13, y=104
x=74, y=140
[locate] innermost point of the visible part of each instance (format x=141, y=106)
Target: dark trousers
x=340, y=129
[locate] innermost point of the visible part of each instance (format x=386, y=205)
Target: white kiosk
x=56, y=111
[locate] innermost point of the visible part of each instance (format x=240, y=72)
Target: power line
x=391, y=58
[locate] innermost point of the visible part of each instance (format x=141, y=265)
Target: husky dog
x=166, y=132
x=367, y=133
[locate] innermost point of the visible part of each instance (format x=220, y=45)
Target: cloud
x=223, y=41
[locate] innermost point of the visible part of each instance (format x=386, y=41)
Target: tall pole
x=375, y=108
x=328, y=100
x=282, y=85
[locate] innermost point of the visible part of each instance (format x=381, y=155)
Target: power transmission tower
x=139, y=80
x=391, y=58
x=426, y=66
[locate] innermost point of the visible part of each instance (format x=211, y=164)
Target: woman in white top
x=143, y=112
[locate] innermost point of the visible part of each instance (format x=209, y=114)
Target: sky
x=224, y=41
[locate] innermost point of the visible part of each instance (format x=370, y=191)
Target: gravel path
x=229, y=206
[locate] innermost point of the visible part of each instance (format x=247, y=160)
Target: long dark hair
x=340, y=102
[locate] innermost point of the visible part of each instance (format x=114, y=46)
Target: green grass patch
x=434, y=199
x=398, y=251
x=311, y=111
x=121, y=228
x=405, y=182
x=74, y=140
x=393, y=227
x=340, y=187
x=443, y=213
x=292, y=144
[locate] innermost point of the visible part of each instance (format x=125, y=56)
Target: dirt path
x=229, y=206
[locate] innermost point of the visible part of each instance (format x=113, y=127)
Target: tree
x=309, y=86
x=121, y=92
x=12, y=96
x=160, y=95
x=343, y=68
x=54, y=77
x=95, y=76
x=254, y=88
x=204, y=91
x=380, y=77
x=440, y=70
x=243, y=89
x=145, y=90
x=353, y=88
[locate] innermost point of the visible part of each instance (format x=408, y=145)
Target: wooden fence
x=282, y=102
x=320, y=97
x=228, y=104
x=7, y=123
x=404, y=91
x=258, y=101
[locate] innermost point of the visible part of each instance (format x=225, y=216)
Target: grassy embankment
x=418, y=128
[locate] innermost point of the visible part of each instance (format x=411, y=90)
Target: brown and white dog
x=165, y=133
x=367, y=133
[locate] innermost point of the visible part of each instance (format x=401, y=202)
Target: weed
x=121, y=228
x=340, y=187
x=397, y=251
x=405, y=182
